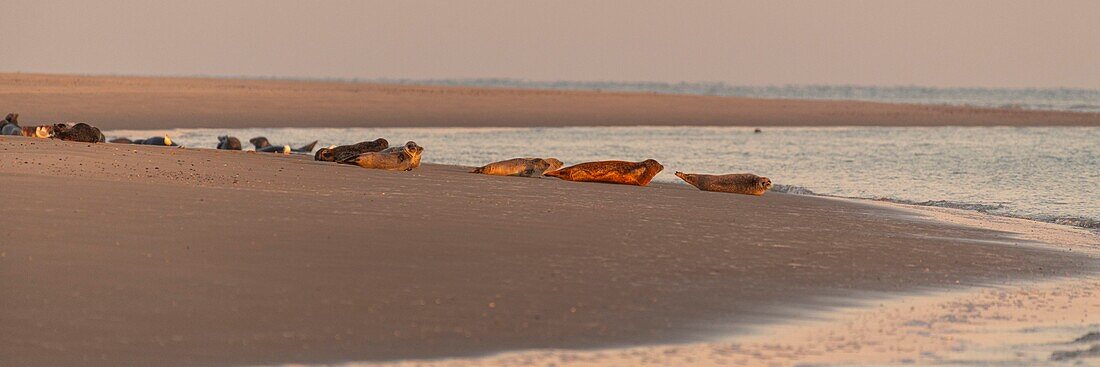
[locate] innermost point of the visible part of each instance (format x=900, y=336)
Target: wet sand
x=1038, y=322
x=113, y=103
x=120, y=255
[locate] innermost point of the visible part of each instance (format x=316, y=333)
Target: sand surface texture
x=139, y=255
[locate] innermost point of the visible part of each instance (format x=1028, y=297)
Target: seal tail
x=307, y=148
x=478, y=170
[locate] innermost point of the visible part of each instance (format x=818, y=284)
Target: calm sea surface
x=1058, y=99
x=1048, y=174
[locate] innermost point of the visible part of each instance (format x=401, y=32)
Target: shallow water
x=1043, y=173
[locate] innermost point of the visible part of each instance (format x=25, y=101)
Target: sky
x=957, y=43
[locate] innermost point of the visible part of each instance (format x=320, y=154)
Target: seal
x=522, y=167
x=226, y=142
x=11, y=118
x=263, y=145
x=616, y=172
x=80, y=132
x=10, y=125
x=737, y=183
x=157, y=140
x=11, y=129
x=41, y=131
x=402, y=158
x=409, y=146
x=122, y=141
x=339, y=153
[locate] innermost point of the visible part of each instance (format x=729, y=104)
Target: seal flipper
x=478, y=170
x=351, y=159
x=307, y=148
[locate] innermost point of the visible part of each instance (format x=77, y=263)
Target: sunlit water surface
x=1044, y=173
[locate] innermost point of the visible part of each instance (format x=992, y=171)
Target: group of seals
x=625, y=173
x=522, y=167
x=262, y=145
x=400, y=158
x=79, y=132
x=10, y=126
x=377, y=154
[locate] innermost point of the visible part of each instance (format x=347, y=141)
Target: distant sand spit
x=140, y=255
x=160, y=103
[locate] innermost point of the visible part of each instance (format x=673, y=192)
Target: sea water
x=1055, y=99
x=1044, y=173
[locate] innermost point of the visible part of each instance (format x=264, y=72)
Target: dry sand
x=138, y=255
x=113, y=103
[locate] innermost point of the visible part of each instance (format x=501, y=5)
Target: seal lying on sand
x=401, y=158
x=41, y=131
x=80, y=132
x=226, y=142
x=10, y=119
x=617, y=172
x=10, y=125
x=339, y=153
x=523, y=167
x=262, y=145
x=11, y=129
x=157, y=140
x=409, y=146
x=121, y=141
x=737, y=183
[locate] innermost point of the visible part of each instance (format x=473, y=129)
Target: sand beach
x=143, y=255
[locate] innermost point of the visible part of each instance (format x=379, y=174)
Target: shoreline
x=238, y=259
x=1007, y=324
x=1003, y=325
x=112, y=103
x=1078, y=220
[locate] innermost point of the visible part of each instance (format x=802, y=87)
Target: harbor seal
x=339, y=153
x=80, y=132
x=226, y=142
x=616, y=172
x=522, y=167
x=401, y=158
x=40, y=131
x=11, y=129
x=10, y=125
x=409, y=146
x=157, y=140
x=737, y=183
x=263, y=145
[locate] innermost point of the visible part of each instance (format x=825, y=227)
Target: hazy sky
x=933, y=43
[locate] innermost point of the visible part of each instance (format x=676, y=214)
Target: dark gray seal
x=226, y=142
x=263, y=145
x=340, y=153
